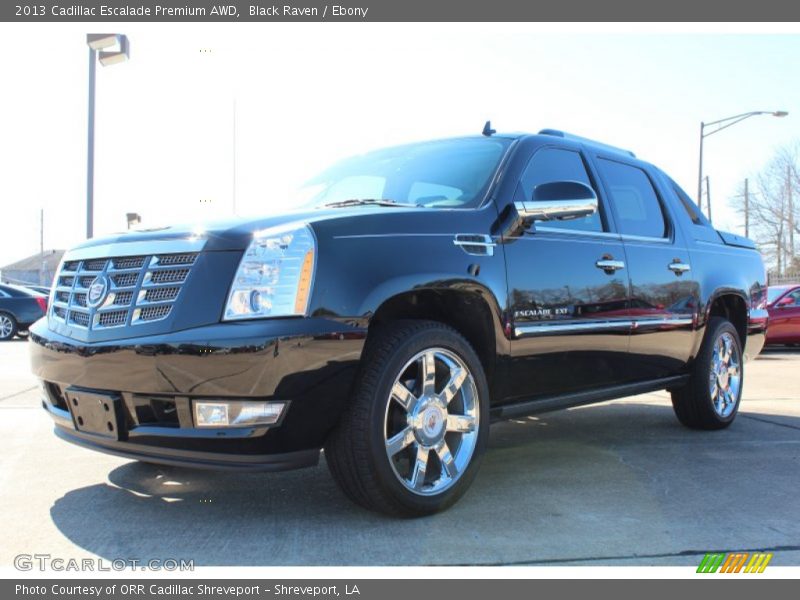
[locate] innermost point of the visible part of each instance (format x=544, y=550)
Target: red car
x=783, y=305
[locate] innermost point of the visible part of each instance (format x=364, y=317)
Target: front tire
x=410, y=442
x=711, y=398
x=8, y=327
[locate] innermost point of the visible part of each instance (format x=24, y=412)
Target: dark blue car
x=19, y=309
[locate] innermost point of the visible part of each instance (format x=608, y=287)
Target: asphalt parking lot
x=617, y=483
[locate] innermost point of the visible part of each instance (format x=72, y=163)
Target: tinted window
x=689, y=206
x=634, y=198
x=557, y=164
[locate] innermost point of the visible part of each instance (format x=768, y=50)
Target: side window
x=689, y=206
x=558, y=164
x=634, y=198
x=796, y=297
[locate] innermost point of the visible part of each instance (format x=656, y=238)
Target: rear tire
x=8, y=326
x=410, y=442
x=711, y=398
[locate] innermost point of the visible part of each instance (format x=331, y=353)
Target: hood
x=237, y=233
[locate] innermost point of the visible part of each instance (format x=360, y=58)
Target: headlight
x=275, y=275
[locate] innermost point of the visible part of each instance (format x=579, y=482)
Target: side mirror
x=559, y=200
x=784, y=302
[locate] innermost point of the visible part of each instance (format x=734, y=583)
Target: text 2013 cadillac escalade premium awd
x=427, y=290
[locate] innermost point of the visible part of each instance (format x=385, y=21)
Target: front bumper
x=310, y=363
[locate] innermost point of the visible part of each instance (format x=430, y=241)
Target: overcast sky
x=305, y=95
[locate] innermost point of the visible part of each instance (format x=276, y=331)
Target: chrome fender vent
x=475, y=244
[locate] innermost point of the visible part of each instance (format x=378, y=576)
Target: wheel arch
x=467, y=309
x=731, y=305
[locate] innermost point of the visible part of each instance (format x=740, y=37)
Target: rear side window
x=558, y=164
x=634, y=198
x=690, y=207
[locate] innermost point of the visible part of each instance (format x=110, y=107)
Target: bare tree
x=772, y=206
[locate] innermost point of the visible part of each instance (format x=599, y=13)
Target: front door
x=568, y=293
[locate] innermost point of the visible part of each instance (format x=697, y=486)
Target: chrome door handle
x=609, y=265
x=679, y=267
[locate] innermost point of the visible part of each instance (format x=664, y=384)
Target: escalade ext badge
x=417, y=329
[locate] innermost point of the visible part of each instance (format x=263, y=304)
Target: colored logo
x=97, y=292
x=735, y=562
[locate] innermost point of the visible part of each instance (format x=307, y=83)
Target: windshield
x=448, y=173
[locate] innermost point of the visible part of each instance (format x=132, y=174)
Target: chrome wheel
x=6, y=327
x=431, y=423
x=725, y=376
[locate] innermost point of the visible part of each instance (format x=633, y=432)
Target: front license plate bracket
x=95, y=412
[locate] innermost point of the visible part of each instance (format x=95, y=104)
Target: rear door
x=568, y=291
x=663, y=290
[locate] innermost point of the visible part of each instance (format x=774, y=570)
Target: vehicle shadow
x=778, y=353
x=626, y=474
x=610, y=480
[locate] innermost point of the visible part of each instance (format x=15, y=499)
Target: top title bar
x=400, y=10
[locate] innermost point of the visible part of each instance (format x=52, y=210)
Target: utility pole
x=746, y=208
x=708, y=197
x=90, y=147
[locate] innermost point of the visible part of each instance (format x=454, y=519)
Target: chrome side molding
x=611, y=326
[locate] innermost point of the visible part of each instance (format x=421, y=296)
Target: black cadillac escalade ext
x=426, y=291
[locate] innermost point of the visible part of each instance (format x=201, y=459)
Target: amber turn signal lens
x=304, y=285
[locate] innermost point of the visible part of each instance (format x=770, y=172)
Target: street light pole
x=90, y=148
x=98, y=41
x=719, y=125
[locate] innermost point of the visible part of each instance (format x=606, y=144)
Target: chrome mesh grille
x=154, y=313
x=169, y=276
x=79, y=318
x=125, y=279
x=138, y=289
x=177, y=259
x=128, y=262
x=123, y=298
x=95, y=265
x=114, y=318
x=161, y=294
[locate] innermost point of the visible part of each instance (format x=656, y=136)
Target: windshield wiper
x=369, y=201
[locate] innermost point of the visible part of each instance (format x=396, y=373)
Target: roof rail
x=577, y=138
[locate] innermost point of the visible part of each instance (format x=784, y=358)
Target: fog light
x=236, y=413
